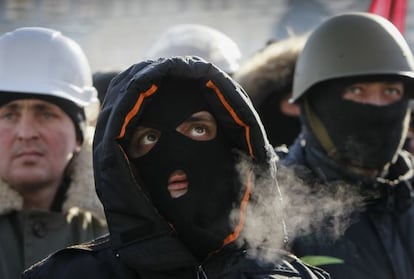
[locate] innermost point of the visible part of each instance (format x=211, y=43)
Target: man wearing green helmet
x=353, y=82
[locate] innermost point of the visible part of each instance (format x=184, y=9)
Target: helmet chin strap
x=320, y=132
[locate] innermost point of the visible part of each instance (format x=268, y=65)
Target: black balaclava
x=361, y=135
x=201, y=216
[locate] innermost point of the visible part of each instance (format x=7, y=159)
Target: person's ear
x=287, y=108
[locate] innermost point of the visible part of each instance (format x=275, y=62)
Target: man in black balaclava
x=353, y=82
x=364, y=129
x=204, y=197
x=178, y=153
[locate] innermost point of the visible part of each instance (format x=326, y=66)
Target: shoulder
x=88, y=260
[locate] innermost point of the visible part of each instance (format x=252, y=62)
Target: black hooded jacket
x=141, y=243
x=379, y=241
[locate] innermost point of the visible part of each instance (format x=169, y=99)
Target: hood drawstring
x=201, y=274
x=273, y=161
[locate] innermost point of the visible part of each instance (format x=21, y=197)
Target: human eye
x=200, y=126
x=150, y=137
x=354, y=89
x=142, y=141
x=198, y=130
x=354, y=92
x=48, y=111
x=48, y=114
x=7, y=115
x=393, y=91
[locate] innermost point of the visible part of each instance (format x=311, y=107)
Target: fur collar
x=81, y=193
x=271, y=69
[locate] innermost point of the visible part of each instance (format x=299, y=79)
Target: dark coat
x=379, y=243
x=141, y=243
x=98, y=260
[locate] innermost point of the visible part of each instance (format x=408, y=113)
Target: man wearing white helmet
x=47, y=196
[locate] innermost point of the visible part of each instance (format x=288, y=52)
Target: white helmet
x=38, y=60
x=199, y=40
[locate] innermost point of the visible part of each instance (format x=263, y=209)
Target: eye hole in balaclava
x=363, y=135
x=186, y=165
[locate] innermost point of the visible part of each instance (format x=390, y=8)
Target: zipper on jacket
x=201, y=274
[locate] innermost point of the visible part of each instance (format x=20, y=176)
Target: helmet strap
x=320, y=132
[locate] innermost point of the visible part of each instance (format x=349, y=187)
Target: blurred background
x=117, y=33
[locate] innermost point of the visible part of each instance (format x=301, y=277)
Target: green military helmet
x=352, y=44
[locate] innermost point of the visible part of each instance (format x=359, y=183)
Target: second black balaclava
x=201, y=216
x=363, y=135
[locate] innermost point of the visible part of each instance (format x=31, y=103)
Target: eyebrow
x=195, y=118
x=394, y=82
x=35, y=107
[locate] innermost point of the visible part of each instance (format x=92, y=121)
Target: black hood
x=131, y=216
